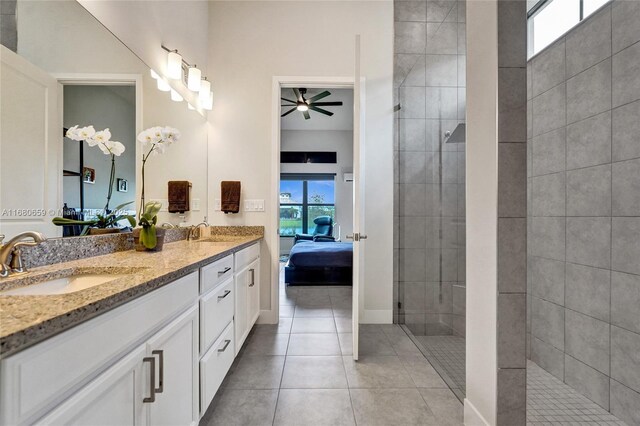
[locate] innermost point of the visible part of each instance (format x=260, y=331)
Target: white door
x=358, y=196
x=175, y=353
x=114, y=398
x=30, y=138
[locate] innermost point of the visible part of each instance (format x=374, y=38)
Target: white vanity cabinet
x=247, y=284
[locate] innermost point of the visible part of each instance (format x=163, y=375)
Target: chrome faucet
x=12, y=249
x=194, y=231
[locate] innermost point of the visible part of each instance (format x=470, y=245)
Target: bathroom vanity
x=151, y=346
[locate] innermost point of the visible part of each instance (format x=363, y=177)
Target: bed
x=317, y=263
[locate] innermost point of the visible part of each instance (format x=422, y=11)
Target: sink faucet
x=12, y=249
x=194, y=231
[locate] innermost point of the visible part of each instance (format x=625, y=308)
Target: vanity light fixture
x=208, y=104
x=176, y=97
x=163, y=85
x=205, y=89
x=190, y=107
x=154, y=74
x=194, y=78
x=174, y=65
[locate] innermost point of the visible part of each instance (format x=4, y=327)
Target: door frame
x=104, y=79
x=278, y=83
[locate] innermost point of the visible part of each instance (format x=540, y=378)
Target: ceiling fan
x=304, y=105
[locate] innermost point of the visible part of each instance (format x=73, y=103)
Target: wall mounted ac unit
x=348, y=177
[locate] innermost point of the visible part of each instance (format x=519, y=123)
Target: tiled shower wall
x=584, y=209
x=8, y=28
x=429, y=244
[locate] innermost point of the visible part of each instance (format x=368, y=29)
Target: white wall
x=49, y=34
x=250, y=43
x=482, y=212
x=338, y=141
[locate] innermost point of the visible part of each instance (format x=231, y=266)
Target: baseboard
x=376, y=316
x=472, y=416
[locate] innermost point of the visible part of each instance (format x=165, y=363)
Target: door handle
x=152, y=378
x=224, y=271
x=226, y=293
x=357, y=236
x=253, y=277
x=224, y=348
x=160, y=354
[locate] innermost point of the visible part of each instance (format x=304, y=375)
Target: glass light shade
x=176, y=97
x=302, y=107
x=190, y=107
x=154, y=74
x=205, y=89
x=193, y=80
x=208, y=104
x=163, y=85
x=174, y=65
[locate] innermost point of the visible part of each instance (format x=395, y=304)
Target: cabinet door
x=113, y=398
x=175, y=349
x=241, y=317
x=254, y=293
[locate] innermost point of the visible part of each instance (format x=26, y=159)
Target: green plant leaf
x=148, y=236
x=62, y=221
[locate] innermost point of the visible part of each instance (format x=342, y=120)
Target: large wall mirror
x=60, y=67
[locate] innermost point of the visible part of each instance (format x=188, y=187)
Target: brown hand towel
x=179, y=196
x=230, y=200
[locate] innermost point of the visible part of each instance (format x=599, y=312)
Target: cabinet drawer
x=214, y=366
x=216, y=311
x=39, y=378
x=247, y=255
x=216, y=273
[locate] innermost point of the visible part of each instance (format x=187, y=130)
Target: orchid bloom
x=80, y=134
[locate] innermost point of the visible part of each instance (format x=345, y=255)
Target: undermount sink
x=65, y=285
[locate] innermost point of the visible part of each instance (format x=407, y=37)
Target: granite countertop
x=26, y=320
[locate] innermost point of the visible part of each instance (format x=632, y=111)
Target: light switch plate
x=253, y=205
x=195, y=205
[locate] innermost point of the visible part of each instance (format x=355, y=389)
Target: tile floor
x=300, y=372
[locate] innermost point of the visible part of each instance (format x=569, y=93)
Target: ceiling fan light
x=174, y=65
x=302, y=107
x=205, y=89
x=194, y=78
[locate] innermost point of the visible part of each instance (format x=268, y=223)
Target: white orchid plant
x=154, y=140
x=101, y=139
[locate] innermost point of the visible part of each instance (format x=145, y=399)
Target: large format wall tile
x=442, y=38
x=626, y=188
x=589, y=142
x=626, y=244
x=547, y=322
x=512, y=35
x=410, y=37
x=512, y=180
x=589, y=43
x=410, y=11
x=512, y=312
x=589, y=191
x=625, y=402
x=441, y=70
x=549, y=195
x=588, y=290
x=548, y=152
x=587, y=340
x=512, y=387
x=626, y=132
x=625, y=16
x=625, y=296
x=589, y=93
x=548, y=279
x=548, y=357
x=589, y=241
x=625, y=357
x=548, y=68
x=626, y=79
x=512, y=255
x=549, y=110
x=548, y=237
x=586, y=380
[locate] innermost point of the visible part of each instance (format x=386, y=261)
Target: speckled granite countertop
x=26, y=320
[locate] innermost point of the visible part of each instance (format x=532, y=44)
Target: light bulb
x=205, y=88
x=193, y=80
x=302, y=107
x=208, y=104
x=163, y=85
x=174, y=65
x=176, y=97
x=154, y=74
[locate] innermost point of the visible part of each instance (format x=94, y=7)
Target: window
x=302, y=199
x=548, y=20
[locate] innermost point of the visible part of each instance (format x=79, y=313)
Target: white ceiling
x=342, y=118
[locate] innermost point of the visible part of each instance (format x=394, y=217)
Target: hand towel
x=230, y=196
x=179, y=196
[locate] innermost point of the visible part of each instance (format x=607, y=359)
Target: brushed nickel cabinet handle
x=253, y=277
x=224, y=348
x=160, y=354
x=152, y=378
x=224, y=271
x=226, y=293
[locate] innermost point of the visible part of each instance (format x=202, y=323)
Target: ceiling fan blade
x=288, y=100
x=297, y=93
x=337, y=103
x=288, y=112
x=319, y=96
x=320, y=110
x=306, y=115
